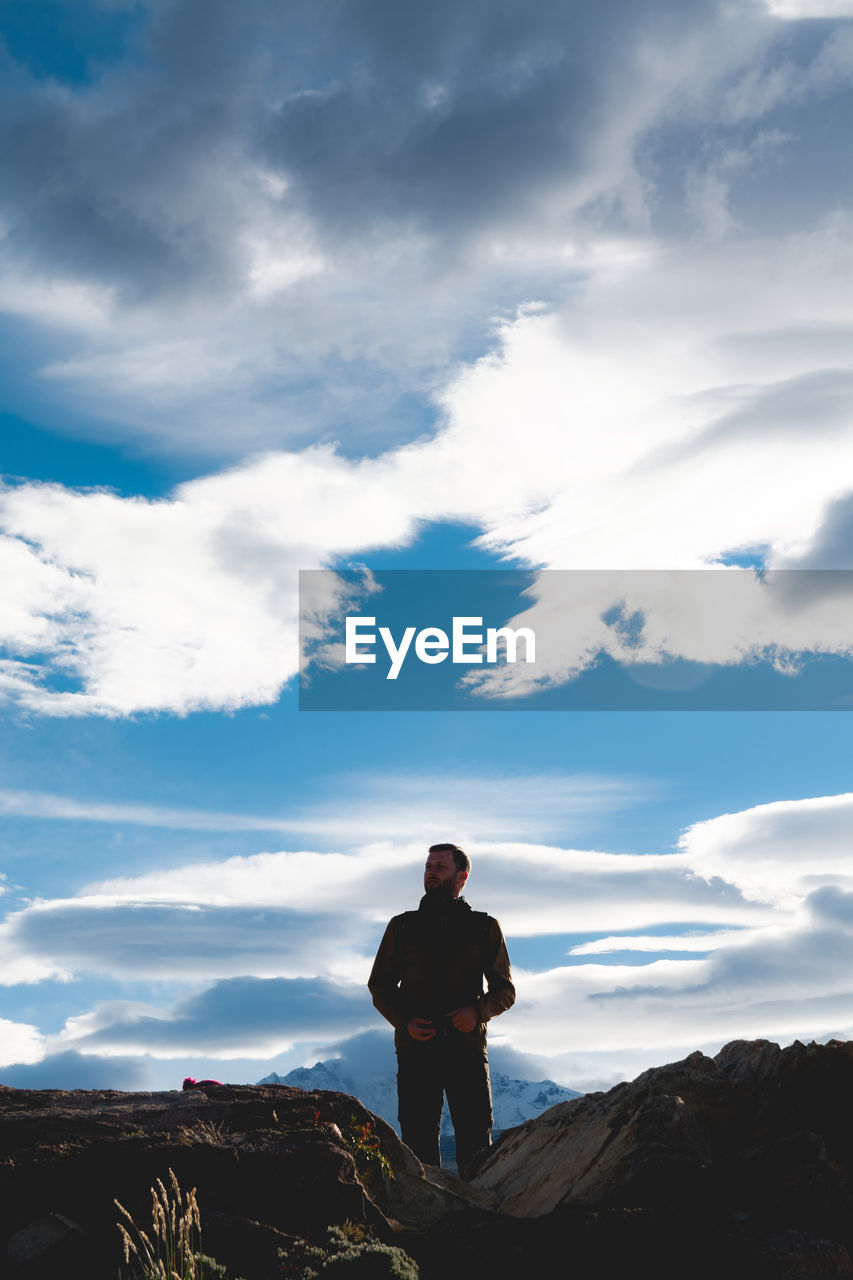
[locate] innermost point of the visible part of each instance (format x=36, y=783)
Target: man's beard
x=440, y=892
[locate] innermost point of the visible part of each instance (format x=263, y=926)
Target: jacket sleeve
x=500, y=994
x=383, y=983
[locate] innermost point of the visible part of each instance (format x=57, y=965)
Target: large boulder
x=750, y=1151
x=270, y=1163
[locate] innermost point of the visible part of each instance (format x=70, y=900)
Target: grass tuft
x=173, y=1249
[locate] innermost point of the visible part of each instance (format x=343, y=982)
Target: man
x=427, y=980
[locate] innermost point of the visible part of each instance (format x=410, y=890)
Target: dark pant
x=425, y=1072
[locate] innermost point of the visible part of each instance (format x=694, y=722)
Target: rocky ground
x=736, y=1166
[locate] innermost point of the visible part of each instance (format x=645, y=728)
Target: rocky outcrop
x=737, y=1166
x=270, y=1164
x=752, y=1148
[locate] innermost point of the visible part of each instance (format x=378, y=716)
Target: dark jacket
x=433, y=960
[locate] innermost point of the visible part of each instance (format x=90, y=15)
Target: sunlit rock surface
x=757, y=1135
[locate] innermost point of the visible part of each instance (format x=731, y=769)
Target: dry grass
x=203, y=1131
x=173, y=1249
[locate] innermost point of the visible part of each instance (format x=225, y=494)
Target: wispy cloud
x=690, y=940
x=259, y=913
x=42, y=804
x=400, y=806
x=763, y=898
x=72, y=1070
x=237, y=1018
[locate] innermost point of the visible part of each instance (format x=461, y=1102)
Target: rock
x=756, y=1060
x=737, y=1166
x=642, y=1149
x=270, y=1163
x=51, y=1243
x=746, y=1148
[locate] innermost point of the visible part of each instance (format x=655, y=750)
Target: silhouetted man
x=427, y=980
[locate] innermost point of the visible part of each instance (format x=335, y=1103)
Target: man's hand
x=420, y=1028
x=464, y=1019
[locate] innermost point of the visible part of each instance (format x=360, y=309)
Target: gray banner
x=727, y=639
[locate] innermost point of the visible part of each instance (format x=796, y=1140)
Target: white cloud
x=57, y=302
x=647, y=618
x=689, y=941
x=274, y=269
x=670, y=1007
x=534, y=889
x=150, y=606
x=810, y=9
x=782, y=980
x=20, y=1043
x=238, y=1018
x=299, y=913
x=401, y=807
x=777, y=852
x=780, y=984
x=147, y=939
x=626, y=428
x=594, y=437
x=207, y=263
x=764, y=897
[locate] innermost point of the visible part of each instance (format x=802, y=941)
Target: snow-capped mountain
x=513, y=1101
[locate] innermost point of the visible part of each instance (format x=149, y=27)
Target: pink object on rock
x=191, y=1083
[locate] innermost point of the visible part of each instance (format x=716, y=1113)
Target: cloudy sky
x=547, y=286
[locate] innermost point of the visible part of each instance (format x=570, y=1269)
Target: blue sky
x=535, y=286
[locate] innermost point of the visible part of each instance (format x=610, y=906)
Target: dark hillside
x=738, y=1166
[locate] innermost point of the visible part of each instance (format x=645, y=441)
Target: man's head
x=446, y=870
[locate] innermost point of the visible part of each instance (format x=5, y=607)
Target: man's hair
x=460, y=857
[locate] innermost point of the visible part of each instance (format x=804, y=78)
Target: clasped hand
x=464, y=1019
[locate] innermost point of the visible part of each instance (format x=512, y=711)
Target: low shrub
x=348, y=1254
